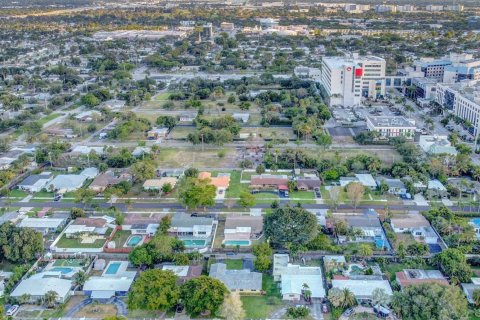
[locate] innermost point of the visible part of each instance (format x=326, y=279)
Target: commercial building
x=462, y=100
x=391, y=127
x=346, y=80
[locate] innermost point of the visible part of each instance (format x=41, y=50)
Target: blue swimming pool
x=194, y=243
x=476, y=222
x=134, y=240
x=113, y=268
x=234, y=243
x=63, y=270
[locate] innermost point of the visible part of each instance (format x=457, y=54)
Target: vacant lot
x=195, y=157
x=97, y=311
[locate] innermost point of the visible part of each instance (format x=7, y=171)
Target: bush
x=298, y=312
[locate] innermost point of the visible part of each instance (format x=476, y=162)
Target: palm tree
x=307, y=293
x=80, y=278
x=50, y=298
x=348, y=299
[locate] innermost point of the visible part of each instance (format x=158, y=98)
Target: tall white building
x=347, y=79
x=463, y=100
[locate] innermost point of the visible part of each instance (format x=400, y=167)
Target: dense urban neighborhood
x=240, y=159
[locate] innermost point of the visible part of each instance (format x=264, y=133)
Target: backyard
x=65, y=242
x=260, y=307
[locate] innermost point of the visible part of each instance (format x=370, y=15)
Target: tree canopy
x=203, y=294
x=290, y=225
x=430, y=301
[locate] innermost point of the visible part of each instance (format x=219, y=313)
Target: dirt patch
x=97, y=311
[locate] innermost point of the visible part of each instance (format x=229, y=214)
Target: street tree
x=355, y=192
x=247, y=199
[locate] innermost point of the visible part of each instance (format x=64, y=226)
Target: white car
x=12, y=310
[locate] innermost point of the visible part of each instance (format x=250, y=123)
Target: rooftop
x=236, y=279
x=390, y=121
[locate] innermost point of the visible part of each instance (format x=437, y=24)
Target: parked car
x=57, y=198
x=348, y=312
x=12, y=310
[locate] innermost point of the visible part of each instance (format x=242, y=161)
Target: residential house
x=370, y=226
x=408, y=277
x=187, y=117
x=35, y=182
x=363, y=289
x=294, y=277
x=42, y=225
x=184, y=273
x=38, y=285
x=97, y=226
x=475, y=223
x=157, y=184
x=395, y=186
x=221, y=182
x=436, y=188
x=434, y=145
x=86, y=150
x=416, y=224
x=140, y=152
x=108, y=179
x=114, y=281
x=241, y=117
x=70, y=182
x=237, y=280
x=469, y=288
x=88, y=116
x=183, y=225
x=176, y=173
x=309, y=182
x=268, y=181
x=239, y=227
x=157, y=133
x=365, y=179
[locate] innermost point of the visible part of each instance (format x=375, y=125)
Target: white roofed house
x=38, y=285
x=365, y=179
x=243, y=227
x=35, y=182
x=183, y=225
x=295, y=278
x=363, y=289
x=70, y=182
x=42, y=225
x=115, y=280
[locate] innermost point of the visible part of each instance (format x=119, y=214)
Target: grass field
x=234, y=264
x=195, y=157
x=260, y=307
x=65, y=242
x=50, y=117
x=235, y=188
x=121, y=237
x=15, y=193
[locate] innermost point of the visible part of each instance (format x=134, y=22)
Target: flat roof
x=362, y=288
x=39, y=284
x=390, y=121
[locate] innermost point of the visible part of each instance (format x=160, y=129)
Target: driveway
x=70, y=313
x=316, y=309
x=420, y=200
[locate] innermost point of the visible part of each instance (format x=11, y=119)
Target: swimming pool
x=113, y=268
x=233, y=243
x=134, y=240
x=63, y=270
x=194, y=243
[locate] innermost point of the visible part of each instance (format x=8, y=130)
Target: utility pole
x=202, y=140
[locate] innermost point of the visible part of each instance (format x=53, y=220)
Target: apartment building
x=346, y=80
x=463, y=100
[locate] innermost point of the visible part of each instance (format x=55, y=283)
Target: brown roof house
x=268, y=181
x=109, y=178
x=239, y=227
x=407, y=277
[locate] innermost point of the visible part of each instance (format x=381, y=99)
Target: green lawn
x=15, y=193
x=65, y=242
x=260, y=307
x=235, y=188
x=51, y=116
x=43, y=194
x=162, y=96
x=234, y=264
x=121, y=237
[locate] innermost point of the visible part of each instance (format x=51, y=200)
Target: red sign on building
x=358, y=72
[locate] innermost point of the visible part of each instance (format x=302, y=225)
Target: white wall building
x=347, y=79
x=390, y=127
x=463, y=100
